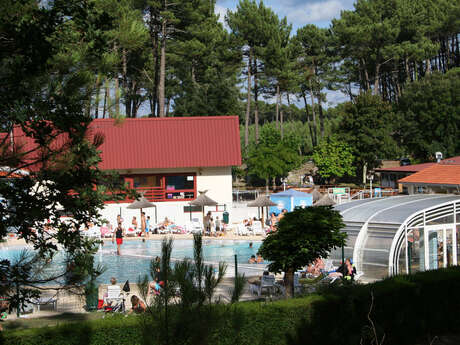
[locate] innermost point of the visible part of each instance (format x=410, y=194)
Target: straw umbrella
x=262, y=201
x=316, y=195
x=325, y=201
x=203, y=200
x=141, y=203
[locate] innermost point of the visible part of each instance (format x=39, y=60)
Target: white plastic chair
x=267, y=282
x=257, y=228
x=358, y=275
x=113, y=291
x=242, y=230
x=197, y=226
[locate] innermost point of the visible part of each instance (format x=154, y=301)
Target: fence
x=245, y=195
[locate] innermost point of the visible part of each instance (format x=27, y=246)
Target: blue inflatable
x=290, y=199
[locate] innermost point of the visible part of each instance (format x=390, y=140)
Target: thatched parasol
x=316, y=195
x=262, y=201
x=141, y=203
x=203, y=200
x=325, y=201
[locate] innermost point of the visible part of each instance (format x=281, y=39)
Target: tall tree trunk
x=134, y=99
x=106, y=91
x=313, y=112
x=289, y=282
x=406, y=67
x=428, y=66
x=267, y=182
x=457, y=51
x=125, y=86
x=377, y=79
x=161, y=85
x=281, y=123
x=153, y=30
x=248, y=103
x=117, y=87
x=304, y=96
x=321, y=115
x=168, y=103
x=256, y=104
x=96, y=99
x=277, y=105
x=366, y=75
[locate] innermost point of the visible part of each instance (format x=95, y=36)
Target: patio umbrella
x=262, y=201
x=316, y=195
x=141, y=203
x=325, y=201
x=203, y=200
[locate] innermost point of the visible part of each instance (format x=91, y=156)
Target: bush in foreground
x=405, y=310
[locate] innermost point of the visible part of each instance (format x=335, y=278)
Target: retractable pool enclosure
x=402, y=234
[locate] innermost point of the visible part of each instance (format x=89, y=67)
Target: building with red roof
x=439, y=178
x=390, y=176
x=168, y=160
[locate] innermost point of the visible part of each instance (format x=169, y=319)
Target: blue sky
x=298, y=12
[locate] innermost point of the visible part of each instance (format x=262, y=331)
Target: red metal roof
x=451, y=160
x=407, y=168
x=440, y=174
x=174, y=142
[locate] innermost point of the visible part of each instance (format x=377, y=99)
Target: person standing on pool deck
x=143, y=225
x=147, y=226
x=118, y=235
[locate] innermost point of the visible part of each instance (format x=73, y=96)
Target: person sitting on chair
x=108, y=301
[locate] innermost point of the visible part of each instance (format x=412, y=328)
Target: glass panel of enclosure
x=416, y=250
x=402, y=259
x=458, y=243
x=448, y=219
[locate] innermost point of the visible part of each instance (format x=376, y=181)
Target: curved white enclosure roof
x=376, y=232
x=393, y=210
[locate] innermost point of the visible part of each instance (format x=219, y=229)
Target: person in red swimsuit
x=118, y=235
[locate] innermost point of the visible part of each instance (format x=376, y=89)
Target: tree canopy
x=49, y=160
x=334, y=158
x=303, y=235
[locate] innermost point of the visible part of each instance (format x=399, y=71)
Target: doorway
x=440, y=245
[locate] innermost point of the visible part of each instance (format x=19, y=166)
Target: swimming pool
x=135, y=257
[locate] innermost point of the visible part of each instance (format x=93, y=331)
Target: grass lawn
x=49, y=321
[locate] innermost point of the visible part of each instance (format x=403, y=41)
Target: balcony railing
x=153, y=194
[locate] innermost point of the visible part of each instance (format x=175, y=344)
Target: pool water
x=135, y=257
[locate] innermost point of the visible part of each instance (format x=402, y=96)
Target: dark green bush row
x=406, y=310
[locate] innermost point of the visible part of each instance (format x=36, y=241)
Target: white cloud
x=315, y=12
x=221, y=11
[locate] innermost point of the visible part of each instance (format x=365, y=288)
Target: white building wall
x=216, y=180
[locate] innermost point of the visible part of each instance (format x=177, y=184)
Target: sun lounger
x=131, y=232
x=37, y=302
x=105, y=231
x=93, y=232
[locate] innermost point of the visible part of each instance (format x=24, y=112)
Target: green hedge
x=406, y=309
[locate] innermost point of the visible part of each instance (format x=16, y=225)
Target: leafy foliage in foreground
x=337, y=315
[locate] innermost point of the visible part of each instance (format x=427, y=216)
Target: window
x=178, y=182
x=161, y=187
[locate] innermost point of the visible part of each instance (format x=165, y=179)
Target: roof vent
x=438, y=156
